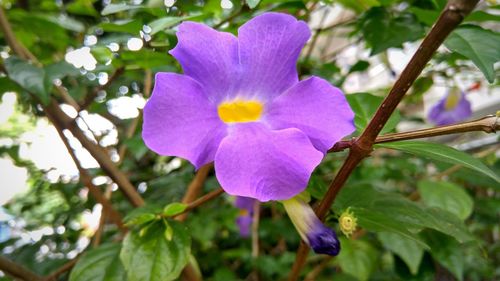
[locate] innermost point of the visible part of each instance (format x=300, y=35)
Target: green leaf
x=59, y=70
x=7, y=85
x=481, y=16
x=382, y=30
x=357, y=258
x=173, y=209
x=30, y=77
x=154, y=258
x=408, y=250
x=127, y=26
x=443, y=153
x=142, y=215
x=100, y=264
x=364, y=106
x=116, y=8
x=167, y=22
x=252, y=3
x=446, y=196
x=477, y=44
x=391, y=212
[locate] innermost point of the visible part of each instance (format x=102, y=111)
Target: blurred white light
x=226, y=4
x=90, y=40
x=81, y=58
x=169, y=3
x=13, y=180
x=7, y=106
x=103, y=78
x=126, y=107
x=114, y=47
x=69, y=110
x=134, y=44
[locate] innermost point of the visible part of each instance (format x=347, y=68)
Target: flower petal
x=208, y=56
x=270, y=45
x=316, y=108
x=254, y=161
x=180, y=121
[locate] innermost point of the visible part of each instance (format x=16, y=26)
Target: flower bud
x=320, y=238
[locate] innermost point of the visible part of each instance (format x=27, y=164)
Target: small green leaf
x=30, y=77
x=142, y=215
x=167, y=22
x=252, y=3
x=153, y=257
x=477, y=44
x=408, y=250
x=443, y=153
x=116, y=8
x=446, y=196
x=173, y=209
x=364, y=106
x=357, y=258
x=100, y=264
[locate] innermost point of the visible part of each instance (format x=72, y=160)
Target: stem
x=202, y=200
x=487, y=124
x=18, y=271
x=452, y=15
x=194, y=188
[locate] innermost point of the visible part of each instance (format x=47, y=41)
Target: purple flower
x=452, y=108
x=320, y=238
x=245, y=217
x=240, y=104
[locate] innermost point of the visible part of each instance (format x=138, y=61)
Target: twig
x=255, y=229
x=64, y=268
x=202, y=200
x=194, y=188
x=453, y=14
x=231, y=17
x=102, y=220
x=18, y=271
x=316, y=35
x=487, y=124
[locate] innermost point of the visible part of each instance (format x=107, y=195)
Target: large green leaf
x=479, y=45
x=152, y=256
x=30, y=77
x=364, y=106
x=167, y=22
x=100, y=264
x=408, y=250
x=391, y=212
x=443, y=153
x=357, y=258
x=446, y=196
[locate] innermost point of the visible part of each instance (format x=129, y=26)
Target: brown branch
x=16, y=47
x=64, y=121
x=487, y=124
x=255, y=229
x=202, y=200
x=194, y=188
x=18, y=271
x=452, y=15
x=86, y=179
x=64, y=268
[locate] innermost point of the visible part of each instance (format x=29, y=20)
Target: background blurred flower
x=245, y=217
x=452, y=108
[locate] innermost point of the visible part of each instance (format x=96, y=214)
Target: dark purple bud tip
x=323, y=240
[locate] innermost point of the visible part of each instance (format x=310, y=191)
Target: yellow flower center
x=348, y=222
x=452, y=99
x=239, y=111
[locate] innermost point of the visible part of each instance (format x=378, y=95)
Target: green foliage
x=364, y=106
x=417, y=218
x=479, y=45
x=443, y=153
x=99, y=264
x=151, y=256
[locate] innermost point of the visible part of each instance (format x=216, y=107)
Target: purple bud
x=320, y=238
